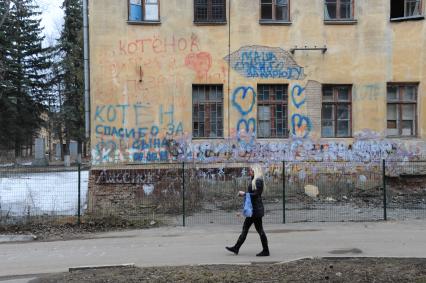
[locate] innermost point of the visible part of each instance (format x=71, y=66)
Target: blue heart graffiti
x=244, y=93
x=297, y=90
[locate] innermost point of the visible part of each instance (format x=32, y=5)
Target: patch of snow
x=53, y=193
x=7, y=165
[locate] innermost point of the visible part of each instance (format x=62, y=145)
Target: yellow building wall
x=142, y=77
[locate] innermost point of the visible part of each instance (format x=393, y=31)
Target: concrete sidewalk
x=206, y=245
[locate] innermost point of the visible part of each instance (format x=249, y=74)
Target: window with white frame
x=144, y=10
x=405, y=8
x=338, y=10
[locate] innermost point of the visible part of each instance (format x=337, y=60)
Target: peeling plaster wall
x=142, y=77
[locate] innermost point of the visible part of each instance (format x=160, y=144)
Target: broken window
x=144, y=10
x=207, y=111
x=209, y=11
x=274, y=10
x=401, y=109
x=405, y=8
x=272, y=110
x=338, y=10
x=336, y=113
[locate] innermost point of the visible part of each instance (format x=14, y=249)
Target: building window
x=274, y=10
x=272, y=111
x=338, y=10
x=336, y=114
x=144, y=10
x=401, y=110
x=405, y=8
x=209, y=11
x=207, y=111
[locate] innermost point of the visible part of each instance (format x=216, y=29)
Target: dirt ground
x=306, y=270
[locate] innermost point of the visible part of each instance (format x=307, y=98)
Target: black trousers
x=259, y=228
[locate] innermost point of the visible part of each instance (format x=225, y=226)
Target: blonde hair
x=258, y=174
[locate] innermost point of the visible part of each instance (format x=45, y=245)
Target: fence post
x=384, y=189
x=283, y=192
x=79, y=194
x=183, y=194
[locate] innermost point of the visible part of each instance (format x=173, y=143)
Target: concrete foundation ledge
x=71, y=269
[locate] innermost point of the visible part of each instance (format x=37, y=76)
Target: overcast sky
x=52, y=18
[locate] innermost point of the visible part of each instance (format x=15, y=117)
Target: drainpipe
x=86, y=68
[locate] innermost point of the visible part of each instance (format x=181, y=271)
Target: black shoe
x=232, y=250
x=263, y=253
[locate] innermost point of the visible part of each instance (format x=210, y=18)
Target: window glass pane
x=327, y=112
x=343, y=112
x=135, y=13
x=151, y=12
x=266, y=12
x=409, y=93
x=397, y=8
x=408, y=112
x=392, y=112
x=327, y=129
x=408, y=128
x=151, y=1
x=330, y=9
x=281, y=2
x=412, y=8
x=392, y=93
x=327, y=94
x=264, y=130
x=343, y=93
x=264, y=113
x=345, y=9
x=343, y=128
x=281, y=13
x=218, y=12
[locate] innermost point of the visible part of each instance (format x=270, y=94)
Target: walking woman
x=255, y=190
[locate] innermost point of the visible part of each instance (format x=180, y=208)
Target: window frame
x=274, y=20
x=400, y=102
x=143, y=20
x=335, y=103
x=272, y=119
x=205, y=133
x=209, y=20
x=338, y=18
x=420, y=16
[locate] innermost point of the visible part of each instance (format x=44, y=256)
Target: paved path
x=205, y=245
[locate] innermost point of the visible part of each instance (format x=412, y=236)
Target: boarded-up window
x=272, y=115
x=401, y=110
x=144, y=10
x=336, y=113
x=207, y=111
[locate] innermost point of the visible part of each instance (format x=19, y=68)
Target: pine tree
x=25, y=63
x=71, y=49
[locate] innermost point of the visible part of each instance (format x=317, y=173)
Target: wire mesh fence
x=42, y=195
x=207, y=193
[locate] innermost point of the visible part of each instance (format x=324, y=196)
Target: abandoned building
x=209, y=81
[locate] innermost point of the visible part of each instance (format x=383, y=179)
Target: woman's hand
x=241, y=193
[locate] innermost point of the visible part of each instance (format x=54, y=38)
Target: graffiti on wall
x=244, y=101
x=146, y=142
x=265, y=62
x=301, y=124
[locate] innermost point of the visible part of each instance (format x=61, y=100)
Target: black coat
x=256, y=198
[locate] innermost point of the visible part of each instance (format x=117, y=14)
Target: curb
x=78, y=268
x=17, y=238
